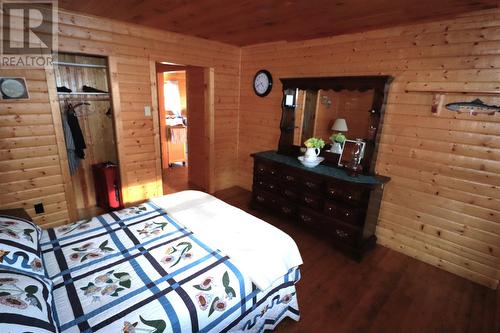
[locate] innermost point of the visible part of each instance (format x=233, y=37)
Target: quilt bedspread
x=139, y=270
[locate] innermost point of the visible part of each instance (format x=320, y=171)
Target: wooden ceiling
x=246, y=22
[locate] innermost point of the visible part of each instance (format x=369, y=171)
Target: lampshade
x=339, y=125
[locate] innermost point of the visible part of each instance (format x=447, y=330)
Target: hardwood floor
x=386, y=292
x=175, y=179
x=87, y=213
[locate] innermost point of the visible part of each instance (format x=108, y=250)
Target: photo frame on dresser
x=347, y=150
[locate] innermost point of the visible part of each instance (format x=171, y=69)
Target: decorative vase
x=336, y=147
x=311, y=154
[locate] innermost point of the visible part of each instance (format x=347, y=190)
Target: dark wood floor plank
x=387, y=292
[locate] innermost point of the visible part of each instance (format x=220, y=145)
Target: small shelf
x=84, y=96
x=74, y=64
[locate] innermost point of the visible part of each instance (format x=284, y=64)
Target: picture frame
x=347, y=150
x=13, y=88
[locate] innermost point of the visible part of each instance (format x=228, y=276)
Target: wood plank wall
x=443, y=203
x=30, y=171
x=29, y=163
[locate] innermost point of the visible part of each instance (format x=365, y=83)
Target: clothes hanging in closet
x=73, y=160
x=76, y=132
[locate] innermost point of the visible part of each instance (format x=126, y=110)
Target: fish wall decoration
x=475, y=107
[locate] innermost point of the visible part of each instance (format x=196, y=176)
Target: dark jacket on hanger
x=76, y=132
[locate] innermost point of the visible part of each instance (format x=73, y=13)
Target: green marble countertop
x=321, y=169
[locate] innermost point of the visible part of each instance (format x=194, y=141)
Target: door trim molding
x=61, y=144
x=209, y=83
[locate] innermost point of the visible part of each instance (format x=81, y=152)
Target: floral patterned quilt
x=139, y=270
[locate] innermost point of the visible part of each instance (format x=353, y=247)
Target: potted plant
x=313, y=146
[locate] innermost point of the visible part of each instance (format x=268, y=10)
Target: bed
x=185, y=262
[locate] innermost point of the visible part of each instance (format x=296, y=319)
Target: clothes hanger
x=74, y=107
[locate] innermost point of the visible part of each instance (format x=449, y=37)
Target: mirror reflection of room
x=316, y=113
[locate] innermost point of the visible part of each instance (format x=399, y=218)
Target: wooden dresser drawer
x=345, y=232
x=349, y=214
x=286, y=208
x=289, y=178
x=290, y=194
x=310, y=218
x=311, y=201
x=312, y=184
x=266, y=184
x=264, y=198
x=350, y=195
x=266, y=169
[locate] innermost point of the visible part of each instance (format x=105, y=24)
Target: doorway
x=185, y=125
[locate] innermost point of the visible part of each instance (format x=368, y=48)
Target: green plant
x=339, y=137
x=314, y=143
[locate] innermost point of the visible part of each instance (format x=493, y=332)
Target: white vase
x=311, y=154
x=336, y=147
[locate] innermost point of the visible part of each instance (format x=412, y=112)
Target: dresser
x=323, y=199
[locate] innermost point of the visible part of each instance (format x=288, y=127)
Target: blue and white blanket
x=141, y=270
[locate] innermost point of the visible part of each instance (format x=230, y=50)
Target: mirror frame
x=380, y=85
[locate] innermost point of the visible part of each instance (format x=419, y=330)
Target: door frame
x=209, y=112
x=114, y=95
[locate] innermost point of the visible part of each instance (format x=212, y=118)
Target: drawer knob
x=332, y=192
x=305, y=218
x=308, y=200
x=272, y=172
x=347, y=214
x=271, y=186
x=261, y=169
x=341, y=233
x=349, y=197
x=289, y=178
x=260, y=198
x=310, y=184
x=330, y=209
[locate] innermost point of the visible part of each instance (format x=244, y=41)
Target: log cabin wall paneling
x=30, y=171
x=443, y=203
x=30, y=163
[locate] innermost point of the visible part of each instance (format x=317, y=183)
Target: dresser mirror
x=322, y=107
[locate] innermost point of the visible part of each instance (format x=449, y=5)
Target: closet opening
x=182, y=95
x=83, y=91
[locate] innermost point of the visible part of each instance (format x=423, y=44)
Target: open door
x=199, y=85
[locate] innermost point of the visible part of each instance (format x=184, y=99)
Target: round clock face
x=12, y=88
x=262, y=83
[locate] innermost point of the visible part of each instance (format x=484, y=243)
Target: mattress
x=155, y=268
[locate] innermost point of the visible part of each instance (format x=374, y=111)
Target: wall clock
x=262, y=83
x=13, y=88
